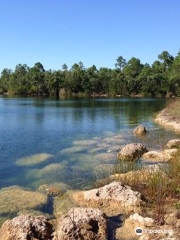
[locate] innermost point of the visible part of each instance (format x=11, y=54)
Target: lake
x=72, y=141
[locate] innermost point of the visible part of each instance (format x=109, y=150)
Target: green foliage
x=129, y=78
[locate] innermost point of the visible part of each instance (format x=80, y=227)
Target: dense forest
x=128, y=78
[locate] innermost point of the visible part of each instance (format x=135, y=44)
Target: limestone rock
x=140, y=130
x=127, y=231
x=26, y=227
x=174, y=143
x=132, y=151
x=161, y=156
x=82, y=223
x=113, y=198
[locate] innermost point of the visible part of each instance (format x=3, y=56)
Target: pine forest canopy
x=128, y=78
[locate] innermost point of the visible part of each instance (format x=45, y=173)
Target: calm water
x=31, y=126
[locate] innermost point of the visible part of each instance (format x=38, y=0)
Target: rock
x=35, y=213
x=127, y=231
x=113, y=198
x=26, y=227
x=14, y=199
x=54, y=189
x=140, y=130
x=82, y=223
x=161, y=156
x=174, y=143
x=168, y=121
x=132, y=151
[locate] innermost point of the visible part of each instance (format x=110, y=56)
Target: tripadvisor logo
x=139, y=231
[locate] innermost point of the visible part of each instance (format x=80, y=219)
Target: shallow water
x=75, y=141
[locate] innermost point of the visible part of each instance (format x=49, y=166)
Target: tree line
x=128, y=78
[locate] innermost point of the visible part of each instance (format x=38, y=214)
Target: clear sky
x=54, y=32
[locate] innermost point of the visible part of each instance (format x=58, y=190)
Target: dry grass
x=161, y=189
x=173, y=108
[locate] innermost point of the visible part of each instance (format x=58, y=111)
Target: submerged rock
x=26, y=227
x=54, y=189
x=140, y=130
x=74, y=149
x=132, y=151
x=106, y=157
x=161, y=156
x=33, y=160
x=82, y=223
x=113, y=198
x=51, y=169
x=62, y=204
x=174, y=143
x=85, y=142
x=115, y=148
x=14, y=199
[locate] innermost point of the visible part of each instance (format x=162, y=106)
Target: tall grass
x=173, y=108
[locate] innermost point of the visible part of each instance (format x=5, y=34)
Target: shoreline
x=167, y=121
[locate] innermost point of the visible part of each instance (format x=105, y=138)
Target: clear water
x=31, y=126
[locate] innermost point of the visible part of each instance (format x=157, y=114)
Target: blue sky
x=54, y=32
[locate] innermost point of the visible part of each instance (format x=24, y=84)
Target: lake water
x=45, y=140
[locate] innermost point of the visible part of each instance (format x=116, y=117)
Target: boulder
x=113, y=199
x=174, y=143
x=82, y=223
x=140, y=130
x=132, y=151
x=26, y=227
x=161, y=156
x=127, y=231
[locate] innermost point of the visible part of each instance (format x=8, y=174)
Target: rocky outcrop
x=168, y=121
x=161, y=156
x=140, y=130
x=14, y=199
x=113, y=199
x=132, y=152
x=127, y=231
x=26, y=227
x=82, y=223
x=174, y=143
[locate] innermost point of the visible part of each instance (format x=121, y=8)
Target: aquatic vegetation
x=63, y=203
x=103, y=170
x=14, y=199
x=51, y=169
x=34, y=213
x=63, y=187
x=34, y=159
